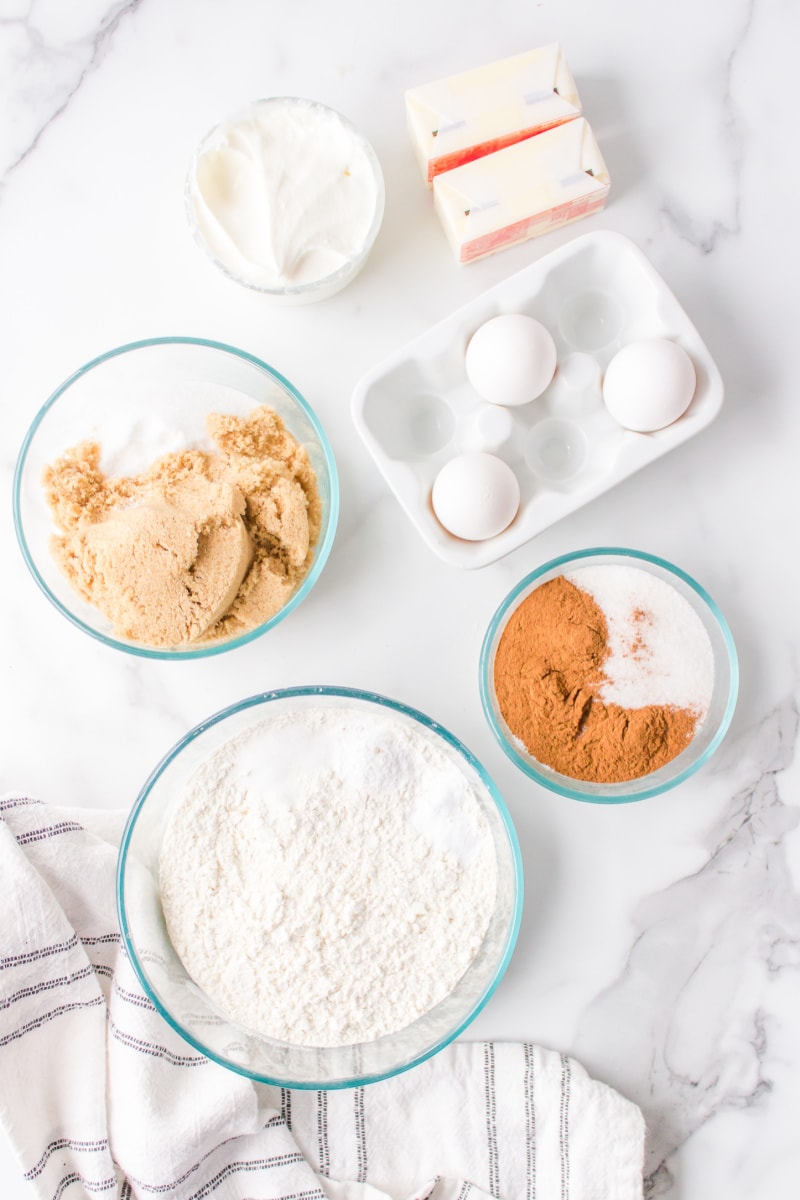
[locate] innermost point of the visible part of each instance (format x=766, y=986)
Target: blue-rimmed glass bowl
x=182, y=1003
x=157, y=393
x=706, y=739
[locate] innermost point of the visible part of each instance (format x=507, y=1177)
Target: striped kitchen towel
x=101, y=1098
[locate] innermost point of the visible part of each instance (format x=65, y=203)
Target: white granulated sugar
x=328, y=875
x=157, y=418
x=660, y=651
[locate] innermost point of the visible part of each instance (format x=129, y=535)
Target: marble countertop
x=660, y=942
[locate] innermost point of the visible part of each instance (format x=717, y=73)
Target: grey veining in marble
x=46, y=52
x=684, y=1030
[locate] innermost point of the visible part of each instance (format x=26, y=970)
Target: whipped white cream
x=285, y=193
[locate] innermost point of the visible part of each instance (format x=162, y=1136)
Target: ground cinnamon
x=548, y=673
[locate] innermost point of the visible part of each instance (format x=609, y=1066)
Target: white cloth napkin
x=101, y=1098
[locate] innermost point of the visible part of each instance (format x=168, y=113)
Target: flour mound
x=328, y=876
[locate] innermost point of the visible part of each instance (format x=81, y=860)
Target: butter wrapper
x=466, y=116
x=521, y=191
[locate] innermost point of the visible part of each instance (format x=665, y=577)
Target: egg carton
x=416, y=409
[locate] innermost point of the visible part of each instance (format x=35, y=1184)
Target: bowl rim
x=359, y=695
x=554, y=781
x=322, y=549
x=335, y=280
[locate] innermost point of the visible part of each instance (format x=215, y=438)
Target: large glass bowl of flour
x=319, y=887
x=152, y=402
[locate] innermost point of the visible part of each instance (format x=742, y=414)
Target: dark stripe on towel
x=16, y=960
x=361, y=1135
x=49, y=1016
x=491, y=1118
x=46, y=985
x=566, y=1077
x=530, y=1123
x=155, y=1050
x=49, y=831
x=65, y=1144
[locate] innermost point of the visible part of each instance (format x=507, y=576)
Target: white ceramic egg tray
x=416, y=409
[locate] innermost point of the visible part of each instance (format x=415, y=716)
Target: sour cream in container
x=286, y=197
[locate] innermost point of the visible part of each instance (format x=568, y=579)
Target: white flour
x=328, y=876
x=660, y=650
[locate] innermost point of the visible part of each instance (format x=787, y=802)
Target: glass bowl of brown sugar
x=175, y=498
x=608, y=675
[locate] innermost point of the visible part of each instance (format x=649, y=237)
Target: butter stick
x=466, y=116
x=521, y=191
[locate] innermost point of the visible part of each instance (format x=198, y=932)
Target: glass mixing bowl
x=193, y=1015
x=159, y=391
x=711, y=731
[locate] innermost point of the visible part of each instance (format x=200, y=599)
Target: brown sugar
x=199, y=547
x=548, y=673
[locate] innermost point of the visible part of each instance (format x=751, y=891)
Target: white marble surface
x=660, y=941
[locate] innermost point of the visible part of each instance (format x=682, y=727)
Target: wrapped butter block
x=466, y=116
x=524, y=190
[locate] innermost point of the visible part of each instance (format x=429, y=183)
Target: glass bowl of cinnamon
x=608, y=675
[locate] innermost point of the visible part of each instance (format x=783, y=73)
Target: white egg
x=649, y=384
x=475, y=496
x=510, y=359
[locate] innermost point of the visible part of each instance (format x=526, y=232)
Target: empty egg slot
x=405, y=418
x=556, y=451
x=591, y=321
